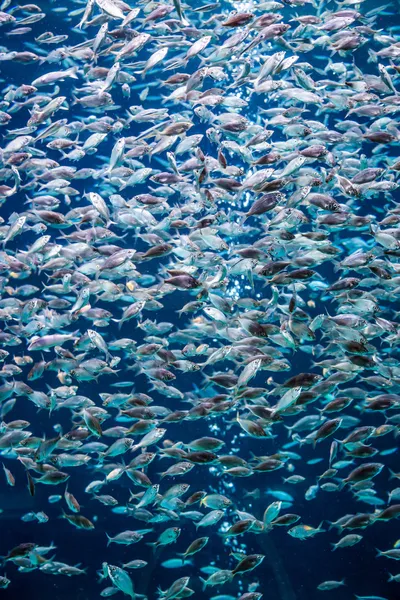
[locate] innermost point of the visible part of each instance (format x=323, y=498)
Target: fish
x=199, y=256
x=330, y=585
x=120, y=579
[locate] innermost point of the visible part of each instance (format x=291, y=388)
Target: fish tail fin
x=119, y=321
x=153, y=545
x=203, y=583
x=372, y=56
x=336, y=266
x=72, y=72
x=244, y=218
x=289, y=430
